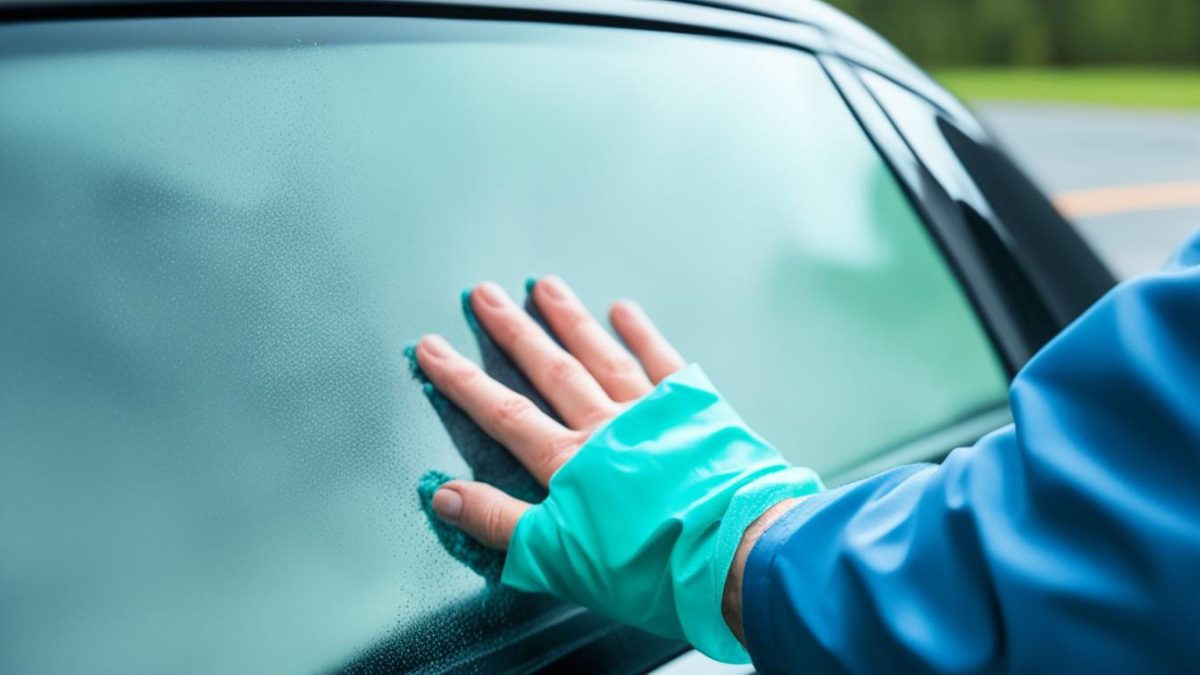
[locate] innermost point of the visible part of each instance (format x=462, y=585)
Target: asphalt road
x=1132, y=177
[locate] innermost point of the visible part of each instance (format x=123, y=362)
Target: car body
x=185, y=269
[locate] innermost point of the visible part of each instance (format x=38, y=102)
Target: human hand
x=587, y=383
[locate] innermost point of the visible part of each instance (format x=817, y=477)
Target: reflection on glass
x=220, y=234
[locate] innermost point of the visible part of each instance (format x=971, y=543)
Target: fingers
x=482, y=511
x=658, y=357
x=560, y=378
x=540, y=443
x=612, y=365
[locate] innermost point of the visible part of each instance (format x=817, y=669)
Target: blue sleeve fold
x=1067, y=542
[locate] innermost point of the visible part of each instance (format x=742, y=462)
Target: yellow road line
x=1125, y=198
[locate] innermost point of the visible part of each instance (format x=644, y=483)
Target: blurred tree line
x=1037, y=32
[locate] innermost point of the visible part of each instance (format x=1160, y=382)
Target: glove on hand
x=643, y=521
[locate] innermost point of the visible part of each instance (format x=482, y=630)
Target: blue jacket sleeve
x=1067, y=542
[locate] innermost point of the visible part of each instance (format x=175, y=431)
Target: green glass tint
x=219, y=235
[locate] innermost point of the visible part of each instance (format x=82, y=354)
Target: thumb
x=485, y=513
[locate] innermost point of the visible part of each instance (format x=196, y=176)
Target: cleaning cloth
x=488, y=461
x=642, y=523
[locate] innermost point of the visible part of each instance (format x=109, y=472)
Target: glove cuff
x=700, y=607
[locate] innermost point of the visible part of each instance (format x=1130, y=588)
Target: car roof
x=832, y=21
x=848, y=36
x=829, y=20
x=840, y=33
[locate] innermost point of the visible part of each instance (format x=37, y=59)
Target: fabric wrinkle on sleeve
x=769, y=602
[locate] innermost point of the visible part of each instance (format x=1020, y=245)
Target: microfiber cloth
x=488, y=461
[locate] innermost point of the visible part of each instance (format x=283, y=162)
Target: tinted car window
x=1059, y=277
x=220, y=234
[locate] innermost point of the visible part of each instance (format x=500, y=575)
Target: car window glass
x=220, y=234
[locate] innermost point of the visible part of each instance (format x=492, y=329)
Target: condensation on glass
x=219, y=235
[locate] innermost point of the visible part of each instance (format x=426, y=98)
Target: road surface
x=1131, y=179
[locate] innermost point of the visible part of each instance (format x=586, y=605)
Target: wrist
x=731, y=598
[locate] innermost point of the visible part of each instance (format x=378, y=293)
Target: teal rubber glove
x=642, y=523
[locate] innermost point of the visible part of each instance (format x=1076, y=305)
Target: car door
x=222, y=232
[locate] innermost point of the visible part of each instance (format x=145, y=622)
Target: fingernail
x=435, y=346
x=554, y=287
x=491, y=294
x=447, y=504
x=627, y=307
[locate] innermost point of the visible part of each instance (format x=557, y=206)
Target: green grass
x=1143, y=88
